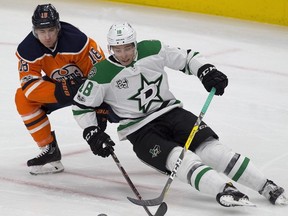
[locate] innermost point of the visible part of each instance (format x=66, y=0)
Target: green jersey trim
x=80, y=112
x=147, y=48
x=105, y=72
x=135, y=121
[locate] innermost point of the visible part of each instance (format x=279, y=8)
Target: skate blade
x=282, y=200
x=228, y=201
x=49, y=168
x=245, y=202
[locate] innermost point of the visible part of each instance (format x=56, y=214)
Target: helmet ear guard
x=121, y=34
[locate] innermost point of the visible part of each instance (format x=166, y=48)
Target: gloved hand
x=67, y=89
x=102, y=113
x=211, y=77
x=100, y=142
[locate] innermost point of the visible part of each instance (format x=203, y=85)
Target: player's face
x=47, y=36
x=124, y=53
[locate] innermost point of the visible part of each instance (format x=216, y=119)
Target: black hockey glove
x=102, y=113
x=211, y=77
x=67, y=89
x=100, y=142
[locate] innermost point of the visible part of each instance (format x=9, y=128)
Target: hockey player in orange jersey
x=54, y=60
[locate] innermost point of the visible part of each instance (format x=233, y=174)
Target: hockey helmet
x=45, y=16
x=120, y=34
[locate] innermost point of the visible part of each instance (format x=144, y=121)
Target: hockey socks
x=205, y=179
x=194, y=172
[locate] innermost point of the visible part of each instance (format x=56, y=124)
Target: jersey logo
x=155, y=151
x=148, y=93
x=26, y=79
x=122, y=83
x=92, y=72
x=67, y=72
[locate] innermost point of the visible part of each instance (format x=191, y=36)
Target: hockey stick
x=162, y=208
x=158, y=200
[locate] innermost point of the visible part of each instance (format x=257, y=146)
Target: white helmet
x=120, y=34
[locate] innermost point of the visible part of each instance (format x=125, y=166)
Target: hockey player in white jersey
x=134, y=83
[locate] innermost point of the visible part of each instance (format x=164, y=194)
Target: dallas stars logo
x=155, y=151
x=148, y=93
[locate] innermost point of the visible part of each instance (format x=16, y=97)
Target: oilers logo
x=67, y=72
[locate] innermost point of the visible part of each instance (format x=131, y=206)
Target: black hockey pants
x=153, y=142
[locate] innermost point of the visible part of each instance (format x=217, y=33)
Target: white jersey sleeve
x=90, y=95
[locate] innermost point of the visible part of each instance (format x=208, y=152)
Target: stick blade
x=161, y=211
x=150, y=202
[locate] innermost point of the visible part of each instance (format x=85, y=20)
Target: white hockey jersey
x=137, y=93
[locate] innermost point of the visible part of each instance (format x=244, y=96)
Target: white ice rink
x=251, y=117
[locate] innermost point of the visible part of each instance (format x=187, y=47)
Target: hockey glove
x=100, y=142
x=102, y=113
x=67, y=89
x=211, y=77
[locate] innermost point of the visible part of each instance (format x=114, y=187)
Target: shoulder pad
x=31, y=49
x=71, y=39
x=100, y=74
x=148, y=47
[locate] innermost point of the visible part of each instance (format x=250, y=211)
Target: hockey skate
x=274, y=193
x=231, y=197
x=48, y=161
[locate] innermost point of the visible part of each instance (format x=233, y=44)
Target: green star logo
x=148, y=93
x=155, y=151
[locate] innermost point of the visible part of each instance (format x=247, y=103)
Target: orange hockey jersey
x=74, y=55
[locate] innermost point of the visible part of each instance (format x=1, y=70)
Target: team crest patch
x=122, y=83
x=92, y=72
x=155, y=151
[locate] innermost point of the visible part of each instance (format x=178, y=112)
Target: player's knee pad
x=222, y=158
x=188, y=165
x=213, y=153
x=20, y=99
x=23, y=105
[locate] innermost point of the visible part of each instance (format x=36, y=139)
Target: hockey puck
x=102, y=214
